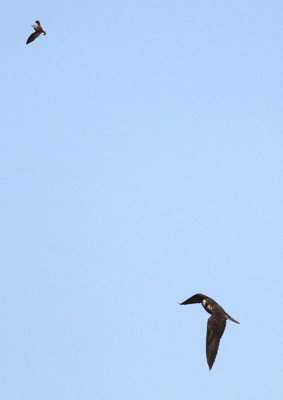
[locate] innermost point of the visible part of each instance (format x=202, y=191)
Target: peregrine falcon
x=215, y=324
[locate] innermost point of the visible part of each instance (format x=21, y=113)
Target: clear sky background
x=141, y=163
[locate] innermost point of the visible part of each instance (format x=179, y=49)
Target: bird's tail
x=232, y=319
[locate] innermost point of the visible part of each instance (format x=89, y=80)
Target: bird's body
x=38, y=31
x=215, y=325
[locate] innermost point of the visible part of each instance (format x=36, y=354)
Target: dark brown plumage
x=215, y=325
x=38, y=31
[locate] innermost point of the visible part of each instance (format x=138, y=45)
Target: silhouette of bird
x=215, y=324
x=38, y=31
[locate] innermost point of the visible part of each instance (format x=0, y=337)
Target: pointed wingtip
x=210, y=366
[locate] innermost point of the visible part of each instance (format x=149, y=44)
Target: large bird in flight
x=215, y=324
x=38, y=31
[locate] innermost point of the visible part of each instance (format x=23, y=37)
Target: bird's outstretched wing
x=196, y=298
x=33, y=36
x=215, y=329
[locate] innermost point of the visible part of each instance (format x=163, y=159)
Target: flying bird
x=215, y=324
x=38, y=31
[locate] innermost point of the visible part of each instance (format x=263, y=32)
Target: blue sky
x=141, y=163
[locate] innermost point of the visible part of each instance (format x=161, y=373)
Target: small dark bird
x=215, y=324
x=38, y=31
